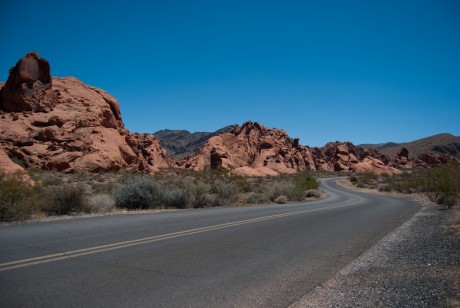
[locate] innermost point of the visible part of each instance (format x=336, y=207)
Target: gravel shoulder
x=417, y=265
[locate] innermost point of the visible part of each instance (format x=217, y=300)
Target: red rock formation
x=340, y=156
x=8, y=167
x=430, y=159
x=252, y=149
x=62, y=124
x=28, y=80
x=255, y=150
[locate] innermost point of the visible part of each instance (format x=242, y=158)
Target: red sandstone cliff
x=62, y=124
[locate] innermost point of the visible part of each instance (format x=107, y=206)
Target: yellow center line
x=103, y=248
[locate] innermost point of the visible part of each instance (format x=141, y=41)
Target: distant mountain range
x=180, y=143
x=439, y=144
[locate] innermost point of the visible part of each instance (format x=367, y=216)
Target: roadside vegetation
x=55, y=194
x=440, y=184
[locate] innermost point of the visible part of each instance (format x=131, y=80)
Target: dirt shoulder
x=418, y=265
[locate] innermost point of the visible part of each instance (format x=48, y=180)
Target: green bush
x=138, y=193
x=65, y=200
x=198, y=193
x=302, y=181
x=305, y=180
x=226, y=192
x=442, y=184
x=16, y=199
x=175, y=198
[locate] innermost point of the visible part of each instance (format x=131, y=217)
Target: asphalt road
x=262, y=256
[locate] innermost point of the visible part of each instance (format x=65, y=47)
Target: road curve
x=263, y=256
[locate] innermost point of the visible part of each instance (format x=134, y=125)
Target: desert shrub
x=454, y=219
x=406, y=182
x=281, y=200
x=384, y=187
x=176, y=198
x=306, y=180
x=291, y=186
x=63, y=200
x=353, y=178
x=226, y=192
x=52, y=179
x=241, y=182
x=448, y=200
x=312, y=193
x=257, y=198
x=441, y=184
x=198, y=193
x=100, y=203
x=138, y=193
x=102, y=188
x=365, y=180
x=278, y=188
x=297, y=194
x=16, y=199
x=18, y=161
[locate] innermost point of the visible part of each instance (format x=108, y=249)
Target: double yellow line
x=146, y=240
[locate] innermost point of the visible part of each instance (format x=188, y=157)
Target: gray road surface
x=263, y=256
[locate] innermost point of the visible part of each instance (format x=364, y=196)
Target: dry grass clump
x=313, y=193
x=281, y=200
x=256, y=198
x=100, y=203
x=454, y=219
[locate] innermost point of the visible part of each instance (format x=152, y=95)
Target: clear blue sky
x=360, y=71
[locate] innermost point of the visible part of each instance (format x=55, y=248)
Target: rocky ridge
x=252, y=150
x=256, y=150
x=62, y=124
x=438, y=144
x=65, y=125
x=182, y=143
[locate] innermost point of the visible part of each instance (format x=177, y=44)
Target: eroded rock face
x=65, y=125
x=255, y=150
x=8, y=167
x=344, y=156
x=27, y=86
x=252, y=149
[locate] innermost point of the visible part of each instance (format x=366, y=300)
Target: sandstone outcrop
x=344, y=156
x=252, y=149
x=27, y=84
x=62, y=124
x=255, y=150
x=8, y=167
